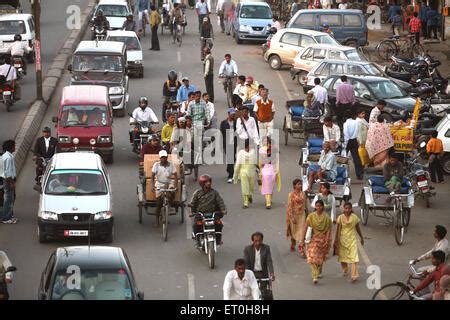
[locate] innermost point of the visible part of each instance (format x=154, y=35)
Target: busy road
x=175, y=269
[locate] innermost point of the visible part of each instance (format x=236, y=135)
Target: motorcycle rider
x=101, y=22
x=206, y=36
x=207, y=200
x=9, y=72
x=45, y=147
x=170, y=90
x=151, y=147
x=129, y=24
x=19, y=49
x=141, y=113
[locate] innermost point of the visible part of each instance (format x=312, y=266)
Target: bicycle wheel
x=386, y=49
x=165, y=221
x=392, y=291
x=399, y=228
x=416, y=50
x=364, y=210
x=406, y=216
x=229, y=96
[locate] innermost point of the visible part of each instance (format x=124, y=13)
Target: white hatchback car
x=76, y=198
x=12, y=24
x=135, y=60
x=115, y=11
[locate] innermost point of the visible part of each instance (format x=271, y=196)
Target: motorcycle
x=420, y=178
x=41, y=163
x=7, y=94
x=98, y=33
x=206, y=240
x=4, y=283
x=18, y=63
x=142, y=130
x=171, y=105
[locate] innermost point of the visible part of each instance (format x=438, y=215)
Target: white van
x=12, y=24
x=76, y=198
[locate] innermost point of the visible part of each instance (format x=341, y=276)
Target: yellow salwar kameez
x=320, y=243
x=245, y=170
x=348, y=248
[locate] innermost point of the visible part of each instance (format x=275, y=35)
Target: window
x=447, y=134
x=336, y=68
x=319, y=54
x=256, y=12
x=114, y=10
x=306, y=19
x=336, y=55
x=386, y=90
x=327, y=39
x=356, y=69
x=372, y=69
x=330, y=19
x=131, y=43
x=48, y=272
x=12, y=27
x=353, y=55
x=308, y=54
x=31, y=25
x=290, y=38
x=76, y=182
x=352, y=20
x=322, y=69
x=338, y=82
x=101, y=63
x=326, y=84
x=360, y=89
x=306, y=41
x=84, y=116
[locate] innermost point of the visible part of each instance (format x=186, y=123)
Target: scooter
x=206, y=240
x=7, y=94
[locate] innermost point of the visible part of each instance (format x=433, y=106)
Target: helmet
x=130, y=16
x=172, y=75
x=99, y=13
x=143, y=99
x=203, y=179
x=326, y=25
x=17, y=37
x=154, y=137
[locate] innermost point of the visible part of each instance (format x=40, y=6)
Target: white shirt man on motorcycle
x=141, y=113
x=19, y=49
x=9, y=72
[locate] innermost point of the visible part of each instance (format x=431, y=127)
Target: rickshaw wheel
x=399, y=228
x=286, y=133
x=364, y=211
x=140, y=213
x=406, y=217
x=182, y=213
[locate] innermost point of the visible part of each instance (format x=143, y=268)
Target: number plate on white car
x=76, y=233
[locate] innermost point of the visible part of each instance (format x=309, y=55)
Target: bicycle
x=229, y=88
x=164, y=217
x=177, y=34
x=396, y=45
x=265, y=286
x=400, y=290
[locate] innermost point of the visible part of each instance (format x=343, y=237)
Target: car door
x=353, y=27
x=318, y=55
x=46, y=279
x=305, y=61
x=289, y=47
x=363, y=97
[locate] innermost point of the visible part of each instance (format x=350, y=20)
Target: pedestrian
x=423, y=18
x=393, y=174
x=183, y=91
x=345, y=245
x=320, y=243
x=220, y=14
x=345, y=98
x=132, y=4
x=376, y=111
x=258, y=95
x=206, y=37
x=240, y=90
x=397, y=22
x=259, y=260
x=326, y=4
x=245, y=171
x=329, y=201
x=229, y=13
x=200, y=117
x=202, y=10
x=393, y=8
x=320, y=93
x=295, y=7
x=379, y=141
x=297, y=210
x=251, y=89
x=351, y=127
x=9, y=176
x=432, y=22
x=444, y=293
x=246, y=128
x=240, y=283
x=155, y=20
x=211, y=111
x=276, y=24
x=269, y=168
x=208, y=73
x=363, y=127
x=414, y=26
x=264, y=111
x=343, y=5
x=435, y=150
x=331, y=133
x=229, y=140
x=441, y=244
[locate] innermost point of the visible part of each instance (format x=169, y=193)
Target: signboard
x=37, y=48
x=415, y=117
x=403, y=138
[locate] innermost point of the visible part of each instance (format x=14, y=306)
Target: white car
x=76, y=198
x=135, y=60
x=115, y=11
x=12, y=24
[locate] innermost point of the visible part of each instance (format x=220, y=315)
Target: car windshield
x=103, y=63
x=11, y=27
x=76, y=182
x=353, y=55
x=92, y=285
x=84, y=116
x=131, y=43
x=256, y=12
x=111, y=10
x=373, y=70
x=327, y=39
x=386, y=90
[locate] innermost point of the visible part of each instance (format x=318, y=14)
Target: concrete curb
x=33, y=120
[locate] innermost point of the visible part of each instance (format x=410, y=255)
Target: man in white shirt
x=211, y=111
x=241, y=88
x=328, y=167
x=343, y=5
x=441, y=244
x=19, y=49
x=320, y=93
x=246, y=128
x=228, y=68
x=141, y=113
x=240, y=284
x=331, y=133
x=202, y=10
x=164, y=176
x=7, y=70
x=376, y=111
x=326, y=4
x=9, y=175
x=219, y=13
x=276, y=23
x=351, y=144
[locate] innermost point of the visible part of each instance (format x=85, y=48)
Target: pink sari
x=379, y=140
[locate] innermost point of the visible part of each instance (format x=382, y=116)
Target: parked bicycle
x=405, y=46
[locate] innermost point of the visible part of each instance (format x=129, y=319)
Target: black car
x=88, y=273
x=370, y=89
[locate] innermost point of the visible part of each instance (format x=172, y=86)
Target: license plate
x=422, y=184
x=210, y=237
x=6, y=93
x=76, y=233
x=17, y=65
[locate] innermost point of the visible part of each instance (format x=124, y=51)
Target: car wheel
x=446, y=164
x=275, y=62
x=352, y=43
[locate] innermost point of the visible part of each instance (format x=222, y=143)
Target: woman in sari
x=345, y=241
x=296, y=216
x=245, y=170
x=379, y=141
x=312, y=106
x=319, y=246
x=269, y=171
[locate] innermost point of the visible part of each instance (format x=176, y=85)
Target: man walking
x=320, y=93
x=229, y=142
x=155, y=20
x=9, y=182
x=202, y=11
x=45, y=147
x=264, y=111
x=435, y=150
x=351, y=143
x=345, y=98
x=208, y=73
x=414, y=27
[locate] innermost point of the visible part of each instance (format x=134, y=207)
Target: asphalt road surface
x=175, y=269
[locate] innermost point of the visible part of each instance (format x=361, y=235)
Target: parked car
x=312, y=55
x=75, y=198
x=370, y=89
x=341, y=67
x=253, y=21
x=103, y=63
x=135, y=61
x=104, y=273
x=349, y=26
x=116, y=11
x=12, y=24
x=84, y=121
x=287, y=43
